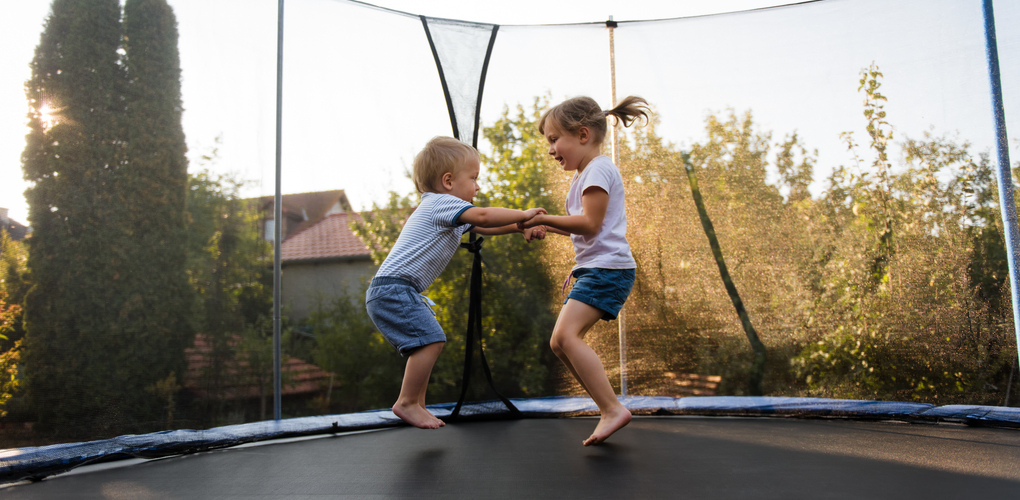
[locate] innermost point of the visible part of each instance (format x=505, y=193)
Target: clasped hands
x=530, y=230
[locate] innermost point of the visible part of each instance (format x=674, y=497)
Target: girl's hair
x=572, y=114
x=441, y=155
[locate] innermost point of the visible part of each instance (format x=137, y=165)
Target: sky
x=361, y=93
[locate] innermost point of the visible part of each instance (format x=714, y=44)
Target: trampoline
x=719, y=447
x=656, y=457
x=723, y=447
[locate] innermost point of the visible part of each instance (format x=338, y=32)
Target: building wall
x=306, y=285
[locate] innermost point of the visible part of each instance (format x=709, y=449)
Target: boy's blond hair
x=441, y=155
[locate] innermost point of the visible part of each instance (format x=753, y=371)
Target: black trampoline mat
x=653, y=457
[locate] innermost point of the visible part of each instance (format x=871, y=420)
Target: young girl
x=596, y=222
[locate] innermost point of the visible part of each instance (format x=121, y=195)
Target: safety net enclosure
x=844, y=152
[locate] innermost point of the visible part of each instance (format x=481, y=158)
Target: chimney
x=3, y=216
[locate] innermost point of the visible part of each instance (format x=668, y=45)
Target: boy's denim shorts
x=605, y=289
x=402, y=315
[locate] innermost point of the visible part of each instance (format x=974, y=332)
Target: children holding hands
x=446, y=174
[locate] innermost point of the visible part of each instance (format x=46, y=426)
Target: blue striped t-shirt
x=428, y=240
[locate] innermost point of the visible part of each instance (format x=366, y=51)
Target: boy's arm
x=594, y=202
x=491, y=231
x=496, y=220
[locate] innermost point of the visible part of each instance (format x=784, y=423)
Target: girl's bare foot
x=417, y=416
x=441, y=423
x=611, y=421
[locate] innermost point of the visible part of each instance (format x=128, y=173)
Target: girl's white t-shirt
x=608, y=248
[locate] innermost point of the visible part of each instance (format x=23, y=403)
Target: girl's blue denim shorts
x=605, y=289
x=402, y=315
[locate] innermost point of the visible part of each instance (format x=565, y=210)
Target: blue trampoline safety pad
x=38, y=462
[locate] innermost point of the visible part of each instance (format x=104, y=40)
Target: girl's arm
x=594, y=202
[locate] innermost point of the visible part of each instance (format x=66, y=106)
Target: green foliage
x=10, y=338
x=921, y=316
x=13, y=285
x=681, y=319
x=253, y=359
x=760, y=351
x=166, y=391
x=873, y=205
x=9, y=381
x=229, y=265
x=10, y=319
x=230, y=271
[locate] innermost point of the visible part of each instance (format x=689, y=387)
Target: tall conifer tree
x=105, y=154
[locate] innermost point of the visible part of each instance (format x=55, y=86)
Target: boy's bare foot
x=416, y=416
x=611, y=421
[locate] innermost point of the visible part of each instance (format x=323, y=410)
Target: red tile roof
x=330, y=238
x=308, y=208
x=299, y=377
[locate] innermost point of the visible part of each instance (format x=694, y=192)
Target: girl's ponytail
x=627, y=110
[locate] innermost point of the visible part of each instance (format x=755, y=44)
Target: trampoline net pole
x=1004, y=176
x=278, y=223
x=621, y=323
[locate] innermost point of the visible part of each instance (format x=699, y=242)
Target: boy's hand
x=530, y=221
x=534, y=233
x=532, y=212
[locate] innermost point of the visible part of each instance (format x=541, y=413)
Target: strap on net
x=475, y=330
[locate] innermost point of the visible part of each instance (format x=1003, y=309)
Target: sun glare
x=48, y=115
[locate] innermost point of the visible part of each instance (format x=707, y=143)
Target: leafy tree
x=14, y=284
x=681, y=318
x=918, y=316
x=760, y=351
x=10, y=316
x=230, y=273
x=253, y=354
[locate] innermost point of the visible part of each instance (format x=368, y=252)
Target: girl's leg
x=410, y=404
x=562, y=335
x=567, y=342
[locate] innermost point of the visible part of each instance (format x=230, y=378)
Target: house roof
x=307, y=207
x=329, y=238
x=299, y=377
x=315, y=203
